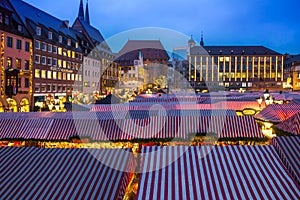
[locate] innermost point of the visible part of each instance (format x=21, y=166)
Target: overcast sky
x=271, y=23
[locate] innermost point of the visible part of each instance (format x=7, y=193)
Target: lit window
x=19, y=44
x=68, y=76
x=60, y=39
x=54, y=75
x=76, y=45
x=49, y=74
x=59, y=75
x=37, y=44
x=43, y=88
x=49, y=48
x=37, y=73
x=65, y=52
x=73, y=54
x=9, y=62
x=43, y=74
x=9, y=42
x=64, y=76
x=50, y=35
x=18, y=63
x=59, y=63
x=69, y=53
x=43, y=60
x=64, y=64
x=59, y=50
x=37, y=59
x=73, y=77
x=38, y=30
x=26, y=63
x=69, y=42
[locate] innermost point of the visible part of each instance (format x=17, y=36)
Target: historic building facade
x=57, y=56
x=292, y=71
x=97, y=58
x=234, y=67
x=142, y=62
x=16, y=62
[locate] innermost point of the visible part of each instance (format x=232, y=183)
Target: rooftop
x=233, y=50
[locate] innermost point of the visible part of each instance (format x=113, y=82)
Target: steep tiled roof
x=233, y=50
x=36, y=15
x=92, y=32
x=150, y=49
x=33, y=15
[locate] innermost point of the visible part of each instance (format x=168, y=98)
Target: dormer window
x=20, y=28
x=76, y=45
x=60, y=39
x=6, y=20
x=50, y=35
x=69, y=42
x=38, y=30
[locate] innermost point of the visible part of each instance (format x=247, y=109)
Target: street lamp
x=259, y=101
x=266, y=94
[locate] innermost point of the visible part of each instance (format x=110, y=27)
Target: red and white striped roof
x=33, y=173
x=278, y=113
x=291, y=125
x=288, y=149
x=147, y=127
x=222, y=172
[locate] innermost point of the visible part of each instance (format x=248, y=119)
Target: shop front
x=54, y=102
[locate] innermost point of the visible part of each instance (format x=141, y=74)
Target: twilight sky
x=271, y=23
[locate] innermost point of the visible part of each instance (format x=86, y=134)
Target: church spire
x=81, y=13
x=202, y=42
x=87, y=15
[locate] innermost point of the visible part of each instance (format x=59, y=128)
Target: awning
x=291, y=125
x=288, y=149
x=34, y=173
x=221, y=172
x=277, y=113
x=107, y=126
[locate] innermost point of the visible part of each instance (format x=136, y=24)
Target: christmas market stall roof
x=277, y=113
x=107, y=126
x=220, y=172
x=288, y=149
x=37, y=173
x=291, y=125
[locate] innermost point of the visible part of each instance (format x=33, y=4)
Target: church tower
x=87, y=15
x=202, y=42
x=81, y=13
